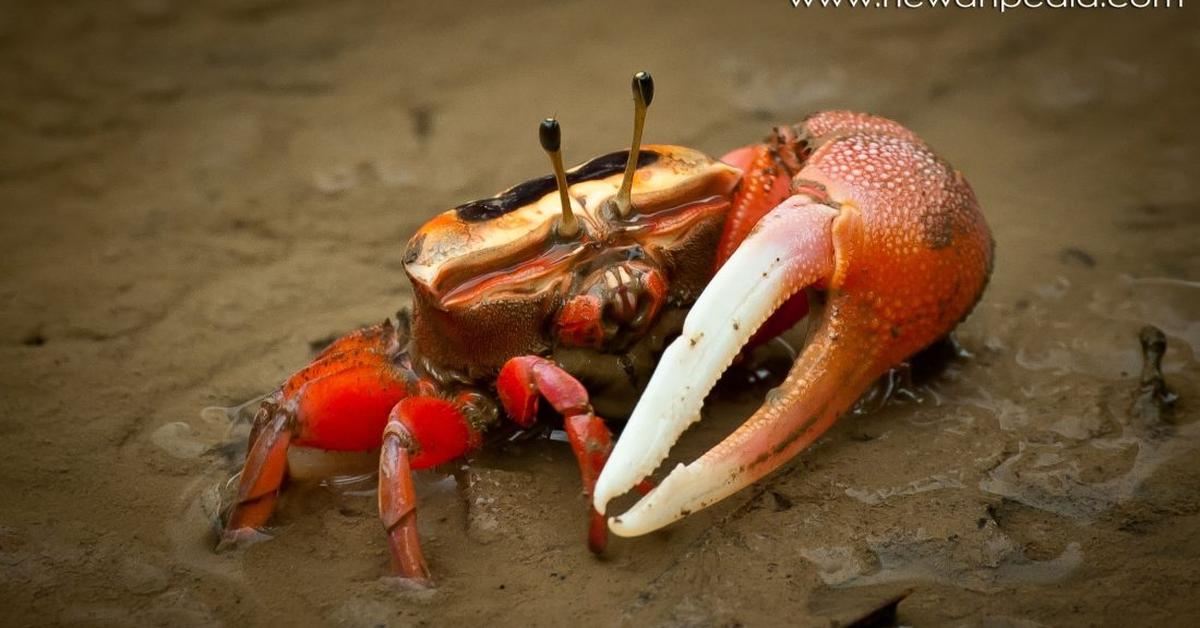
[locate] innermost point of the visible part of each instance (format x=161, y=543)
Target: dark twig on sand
x=1154, y=401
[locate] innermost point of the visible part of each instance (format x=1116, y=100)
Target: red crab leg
x=521, y=382
x=379, y=338
x=340, y=401
x=421, y=432
x=262, y=474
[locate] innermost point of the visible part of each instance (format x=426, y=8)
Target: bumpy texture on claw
x=767, y=182
x=896, y=238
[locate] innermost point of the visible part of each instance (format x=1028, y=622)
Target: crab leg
x=340, y=401
x=398, y=500
x=522, y=381
x=421, y=432
x=262, y=475
x=591, y=441
x=791, y=249
x=357, y=395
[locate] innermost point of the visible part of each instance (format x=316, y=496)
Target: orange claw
x=895, y=237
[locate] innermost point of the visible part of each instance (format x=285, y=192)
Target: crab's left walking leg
x=421, y=432
x=339, y=402
x=520, y=384
x=275, y=425
x=261, y=476
x=359, y=394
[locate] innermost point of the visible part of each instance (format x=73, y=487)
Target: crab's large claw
x=894, y=238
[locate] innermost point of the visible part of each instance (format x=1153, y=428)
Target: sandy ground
x=191, y=195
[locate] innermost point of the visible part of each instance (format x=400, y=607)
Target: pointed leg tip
x=403, y=582
x=597, y=534
x=239, y=538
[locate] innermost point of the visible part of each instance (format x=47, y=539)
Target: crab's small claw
x=894, y=238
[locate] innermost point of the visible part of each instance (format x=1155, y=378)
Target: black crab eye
x=550, y=135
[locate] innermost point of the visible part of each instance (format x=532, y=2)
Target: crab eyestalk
x=643, y=93
x=550, y=136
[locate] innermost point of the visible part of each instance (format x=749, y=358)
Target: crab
x=568, y=290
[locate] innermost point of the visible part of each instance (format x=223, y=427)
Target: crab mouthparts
x=790, y=249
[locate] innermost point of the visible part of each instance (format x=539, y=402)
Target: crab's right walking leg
x=525, y=379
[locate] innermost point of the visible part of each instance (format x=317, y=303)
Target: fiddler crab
x=566, y=289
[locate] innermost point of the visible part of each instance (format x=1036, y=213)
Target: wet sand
x=193, y=195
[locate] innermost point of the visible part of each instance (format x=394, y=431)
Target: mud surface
x=191, y=195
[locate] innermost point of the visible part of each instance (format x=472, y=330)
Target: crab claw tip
x=720, y=323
